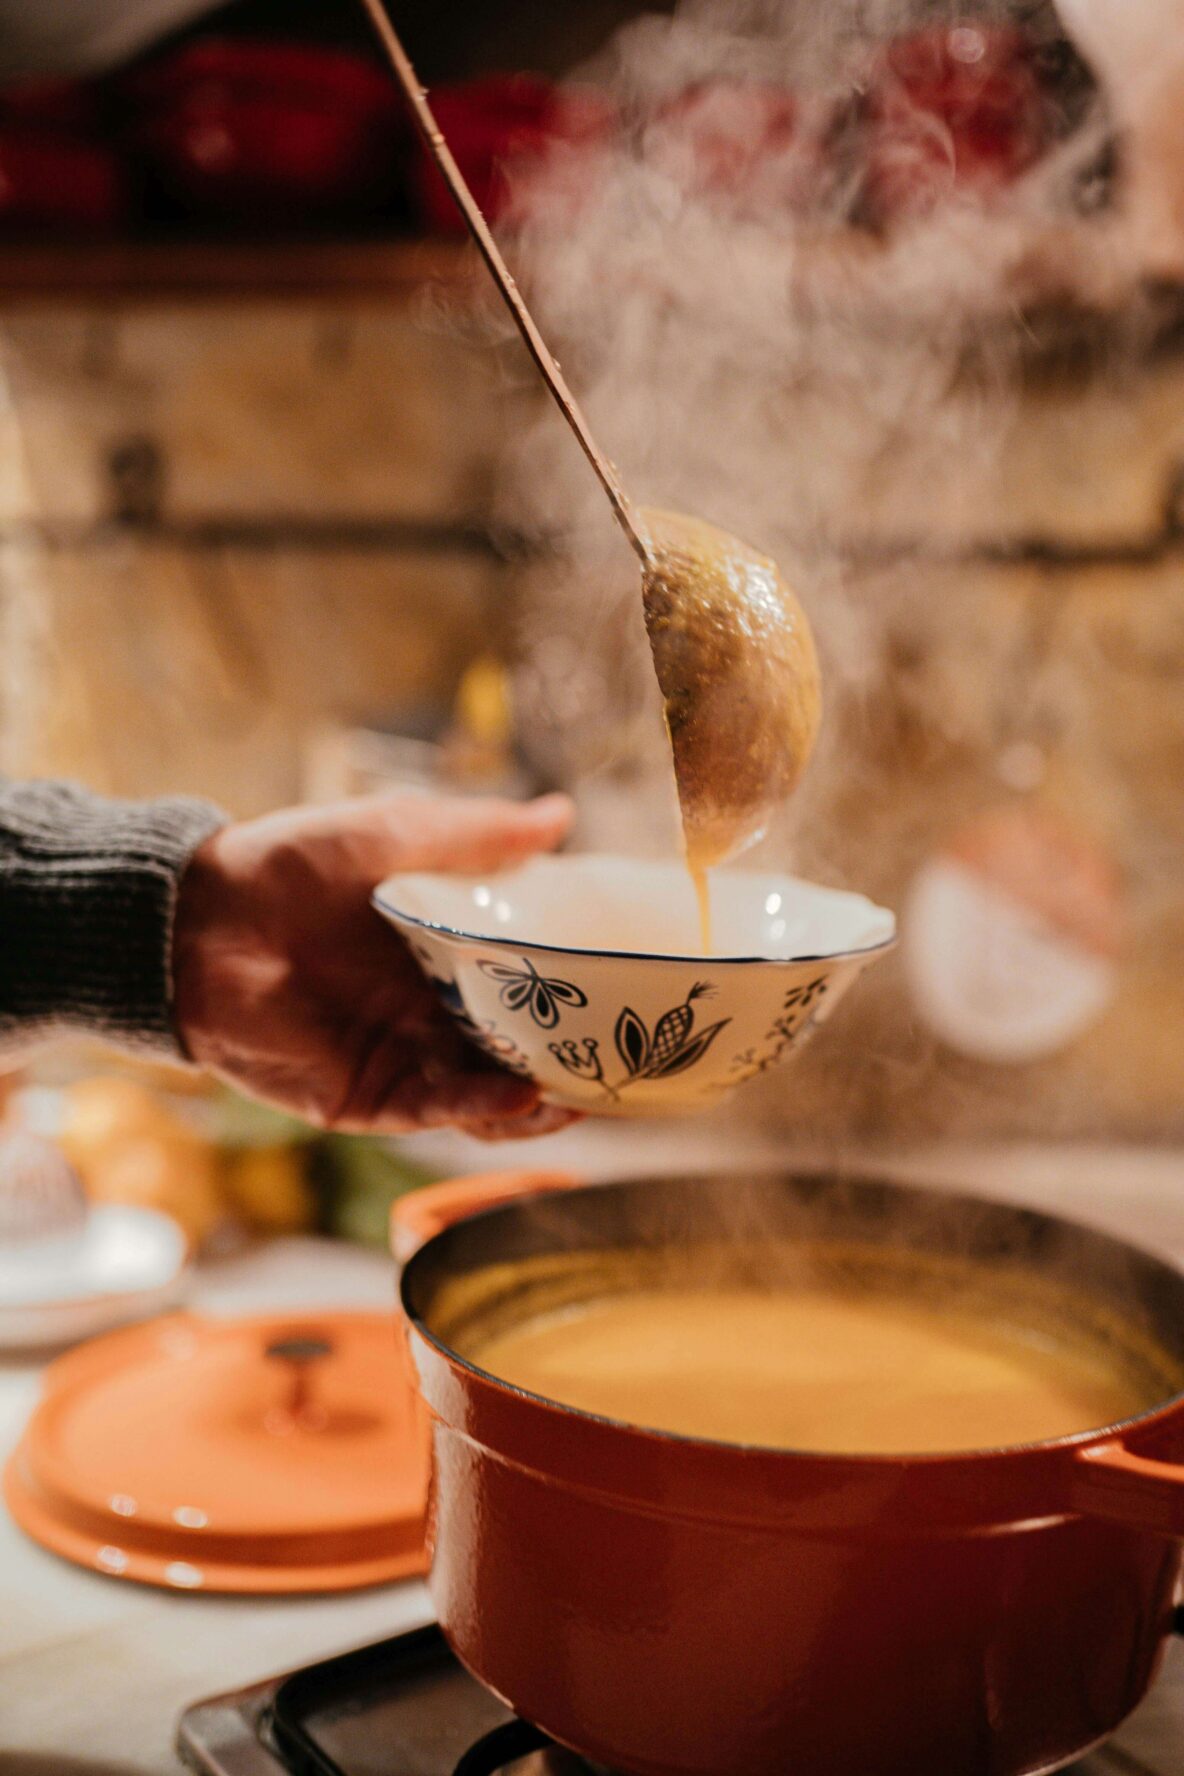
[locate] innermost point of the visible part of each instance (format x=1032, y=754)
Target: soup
x=852, y=1372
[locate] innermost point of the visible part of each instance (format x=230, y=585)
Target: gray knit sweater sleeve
x=88, y=888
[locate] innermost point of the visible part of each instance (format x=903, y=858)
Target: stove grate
x=499, y=1750
x=406, y=1707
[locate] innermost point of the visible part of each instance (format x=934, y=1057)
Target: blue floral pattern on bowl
x=525, y=986
x=673, y=1047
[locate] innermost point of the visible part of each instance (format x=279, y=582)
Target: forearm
x=88, y=890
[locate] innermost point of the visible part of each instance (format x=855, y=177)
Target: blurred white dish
x=122, y=1264
x=586, y=973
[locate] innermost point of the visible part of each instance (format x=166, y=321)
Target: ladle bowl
x=735, y=662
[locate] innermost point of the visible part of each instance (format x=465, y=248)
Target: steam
x=846, y=395
x=1046, y=1277
x=749, y=353
x=850, y=397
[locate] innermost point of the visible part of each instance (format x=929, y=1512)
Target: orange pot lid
x=282, y=1453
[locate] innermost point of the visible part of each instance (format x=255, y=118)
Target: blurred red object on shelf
x=504, y=132
x=57, y=173
x=71, y=105
x=258, y=132
x=55, y=183
x=745, y=141
x=959, y=108
x=218, y=68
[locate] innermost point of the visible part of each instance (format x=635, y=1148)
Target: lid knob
x=299, y=1353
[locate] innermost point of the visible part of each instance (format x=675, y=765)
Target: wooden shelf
x=149, y=271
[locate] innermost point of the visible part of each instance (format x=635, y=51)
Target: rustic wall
x=1052, y=688
x=222, y=524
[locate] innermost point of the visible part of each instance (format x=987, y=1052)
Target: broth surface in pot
x=817, y=1368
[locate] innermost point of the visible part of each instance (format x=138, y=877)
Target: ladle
x=732, y=648
x=536, y=345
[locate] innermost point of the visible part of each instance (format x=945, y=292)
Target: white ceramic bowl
x=587, y=973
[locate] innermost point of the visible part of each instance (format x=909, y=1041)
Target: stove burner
x=513, y=1750
x=406, y=1707
x=502, y=1749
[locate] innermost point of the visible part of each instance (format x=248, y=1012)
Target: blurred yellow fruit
x=99, y=1112
x=267, y=1188
x=129, y=1147
x=179, y=1177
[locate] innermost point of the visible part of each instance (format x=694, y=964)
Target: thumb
x=472, y=834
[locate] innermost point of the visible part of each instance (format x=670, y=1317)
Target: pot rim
x=870, y=1463
x=878, y=1461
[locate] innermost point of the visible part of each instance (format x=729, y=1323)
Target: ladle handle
x=536, y=345
x=421, y=1214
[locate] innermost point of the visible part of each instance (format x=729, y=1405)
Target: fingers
x=544, y=1119
x=483, y=1096
x=397, y=1083
x=463, y=834
x=459, y=1086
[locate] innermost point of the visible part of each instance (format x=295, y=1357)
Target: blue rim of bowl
x=456, y=935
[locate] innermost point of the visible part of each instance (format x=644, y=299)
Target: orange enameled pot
x=674, y=1607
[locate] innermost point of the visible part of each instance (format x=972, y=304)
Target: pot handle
x=1109, y=1481
x=416, y=1217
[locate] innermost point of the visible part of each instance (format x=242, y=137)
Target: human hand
x=288, y=985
